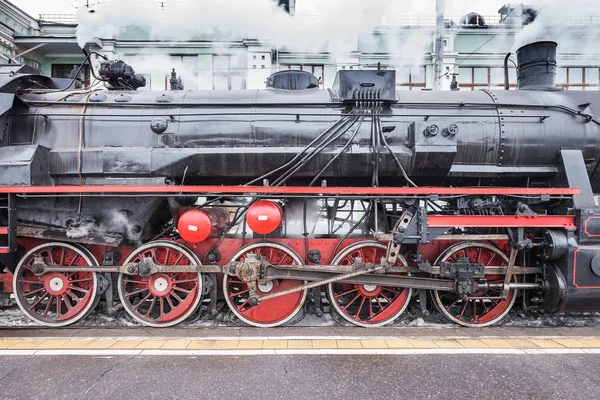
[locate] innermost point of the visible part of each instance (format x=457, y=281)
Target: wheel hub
x=56, y=284
x=160, y=285
x=369, y=290
x=266, y=287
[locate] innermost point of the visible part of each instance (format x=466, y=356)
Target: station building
x=474, y=49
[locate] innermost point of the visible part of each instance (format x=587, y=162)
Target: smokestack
x=537, y=66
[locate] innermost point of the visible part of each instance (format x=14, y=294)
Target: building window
x=317, y=70
x=475, y=78
x=578, y=78
x=67, y=70
x=186, y=67
x=229, y=72
x=412, y=78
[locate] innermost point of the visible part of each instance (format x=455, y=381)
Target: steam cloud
x=554, y=22
x=117, y=222
x=318, y=26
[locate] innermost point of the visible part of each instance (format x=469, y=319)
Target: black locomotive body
x=480, y=197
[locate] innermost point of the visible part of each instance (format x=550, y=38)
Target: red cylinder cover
x=195, y=226
x=264, y=217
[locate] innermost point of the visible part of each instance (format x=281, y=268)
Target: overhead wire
x=486, y=42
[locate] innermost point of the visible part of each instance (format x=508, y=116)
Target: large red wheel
x=56, y=298
x=163, y=299
x=367, y=305
x=482, y=308
x=272, y=312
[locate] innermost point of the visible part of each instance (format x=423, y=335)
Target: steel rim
x=271, y=312
x=478, y=311
x=56, y=298
x=367, y=305
x=163, y=299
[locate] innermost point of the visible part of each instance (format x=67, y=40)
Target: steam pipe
x=506, y=80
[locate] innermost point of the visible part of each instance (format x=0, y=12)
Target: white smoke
x=231, y=20
x=333, y=26
x=573, y=24
x=117, y=221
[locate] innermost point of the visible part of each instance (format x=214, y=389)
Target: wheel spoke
x=80, y=289
x=285, y=255
x=235, y=294
x=74, y=297
x=82, y=280
x=67, y=302
x=381, y=308
x=179, y=299
x=175, y=287
x=135, y=307
x=62, y=256
x=151, y=307
x=39, y=301
x=464, y=308
x=136, y=292
x=73, y=260
x=47, y=309
x=170, y=303
x=184, y=280
x=167, y=256
x=40, y=282
x=33, y=292
x=58, y=302
x=357, y=316
x=345, y=293
x=352, y=301
x=178, y=259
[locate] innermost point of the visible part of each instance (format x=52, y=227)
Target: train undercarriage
x=471, y=252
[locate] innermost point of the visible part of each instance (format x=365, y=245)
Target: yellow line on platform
x=183, y=344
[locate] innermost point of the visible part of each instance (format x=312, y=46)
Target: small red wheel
x=56, y=298
x=268, y=313
x=481, y=308
x=367, y=305
x=163, y=299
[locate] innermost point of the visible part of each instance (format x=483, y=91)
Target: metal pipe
x=514, y=285
x=506, y=78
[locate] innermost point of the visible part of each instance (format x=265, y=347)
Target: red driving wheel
x=482, y=308
x=162, y=299
x=272, y=312
x=367, y=305
x=56, y=298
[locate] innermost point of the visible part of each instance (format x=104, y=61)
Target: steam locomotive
x=290, y=199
